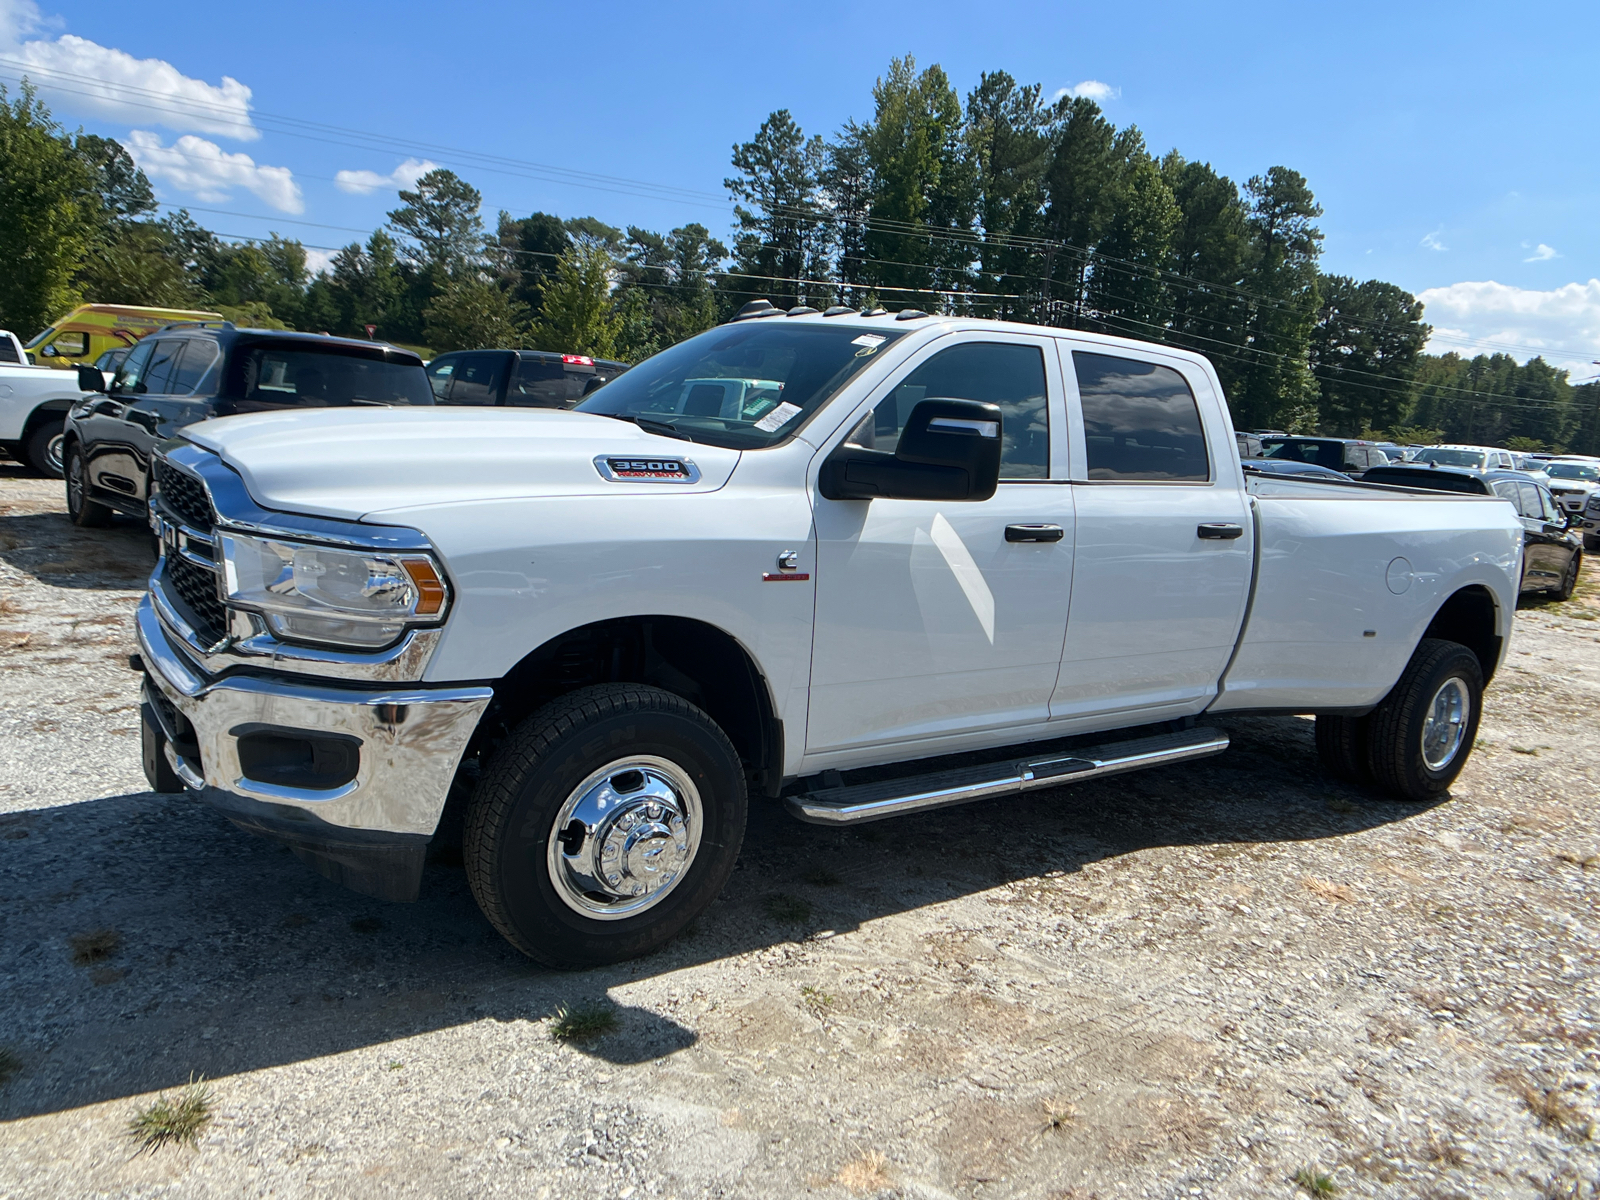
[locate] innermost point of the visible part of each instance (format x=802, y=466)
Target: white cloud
x=1563, y=324
x=360, y=183
x=1091, y=89
x=1541, y=253
x=1432, y=242
x=206, y=171
x=318, y=261
x=89, y=79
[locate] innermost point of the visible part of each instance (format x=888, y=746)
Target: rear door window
x=1531, y=506
x=131, y=372
x=1140, y=421
x=198, y=356
x=478, y=378
x=541, y=384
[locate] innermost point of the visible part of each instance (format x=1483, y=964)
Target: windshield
x=324, y=378
x=1572, y=471
x=744, y=386
x=1451, y=458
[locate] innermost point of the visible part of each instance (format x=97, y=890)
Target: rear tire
x=1423, y=732
x=43, y=449
x=1569, y=581
x=608, y=821
x=83, y=512
x=1343, y=747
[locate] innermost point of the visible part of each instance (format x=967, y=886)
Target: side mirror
x=48, y=351
x=948, y=450
x=90, y=378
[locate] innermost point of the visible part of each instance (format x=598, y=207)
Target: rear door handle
x=1034, y=533
x=1220, y=531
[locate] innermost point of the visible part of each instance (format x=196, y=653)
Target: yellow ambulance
x=89, y=330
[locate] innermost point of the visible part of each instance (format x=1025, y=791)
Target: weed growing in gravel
x=1318, y=1183
x=1337, y=892
x=10, y=1064
x=822, y=877
x=865, y=1174
x=1442, y=1148
x=816, y=1000
x=173, y=1121
x=1058, y=1115
x=790, y=910
x=95, y=946
x=1586, y=861
x=1550, y=1108
x=583, y=1020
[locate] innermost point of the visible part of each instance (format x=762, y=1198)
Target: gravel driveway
x=1205, y=980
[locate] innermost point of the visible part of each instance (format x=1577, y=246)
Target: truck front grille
x=184, y=496
x=197, y=588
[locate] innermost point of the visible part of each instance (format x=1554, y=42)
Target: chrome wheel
x=53, y=451
x=1445, y=727
x=625, y=837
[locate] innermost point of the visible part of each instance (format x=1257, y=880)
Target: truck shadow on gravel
x=204, y=951
x=46, y=546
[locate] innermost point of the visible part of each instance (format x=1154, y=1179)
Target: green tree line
x=999, y=204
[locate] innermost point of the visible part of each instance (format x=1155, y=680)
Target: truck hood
x=349, y=463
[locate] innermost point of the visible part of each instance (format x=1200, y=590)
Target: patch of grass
x=583, y=1020
x=865, y=1174
x=1337, y=892
x=1318, y=1183
x=1442, y=1148
x=821, y=877
x=95, y=946
x=1586, y=861
x=816, y=1000
x=790, y=910
x=393, y=1065
x=1551, y=1109
x=10, y=1064
x=168, y=1121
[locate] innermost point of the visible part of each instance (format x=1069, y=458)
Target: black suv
x=1348, y=456
x=522, y=378
x=188, y=373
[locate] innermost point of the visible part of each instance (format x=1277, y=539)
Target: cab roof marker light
x=837, y=310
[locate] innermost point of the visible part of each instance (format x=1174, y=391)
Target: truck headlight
x=363, y=599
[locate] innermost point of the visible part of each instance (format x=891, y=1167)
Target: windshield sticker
x=873, y=340
x=778, y=417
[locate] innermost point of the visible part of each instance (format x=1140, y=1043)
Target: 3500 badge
x=646, y=470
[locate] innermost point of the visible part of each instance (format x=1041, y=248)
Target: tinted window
x=1140, y=421
x=543, y=385
x=783, y=372
x=1008, y=375
x=132, y=368
x=1531, y=506
x=266, y=375
x=8, y=351
x=198, y=355
x=158, y=375
x=478, y=378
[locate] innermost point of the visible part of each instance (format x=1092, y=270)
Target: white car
x=609, y=627
x=1474, y=458
x=34, y=402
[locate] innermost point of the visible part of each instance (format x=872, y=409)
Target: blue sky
x=1452, y=149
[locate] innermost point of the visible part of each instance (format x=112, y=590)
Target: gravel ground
x=1201, y=981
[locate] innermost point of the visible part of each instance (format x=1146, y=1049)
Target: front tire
x=1569, y=580
x=43, y=449
x=1423, y=732
x=608, y=821
x=1343, y=746
x=83, y=512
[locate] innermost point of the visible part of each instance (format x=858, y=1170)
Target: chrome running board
x=918, y=793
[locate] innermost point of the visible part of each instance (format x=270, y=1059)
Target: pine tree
x=780, y=241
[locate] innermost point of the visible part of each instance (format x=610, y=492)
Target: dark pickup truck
x=188, y=373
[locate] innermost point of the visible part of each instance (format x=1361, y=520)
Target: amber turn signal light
x=430, y=588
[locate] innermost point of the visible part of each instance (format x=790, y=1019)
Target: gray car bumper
x=351, y=779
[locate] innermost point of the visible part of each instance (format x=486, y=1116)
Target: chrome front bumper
x=409, y=741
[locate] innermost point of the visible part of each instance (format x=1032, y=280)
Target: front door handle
x=1034, y=533
x=1220, y=531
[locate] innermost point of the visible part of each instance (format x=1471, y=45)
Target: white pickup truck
x=34, y=402
x=976, y=557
